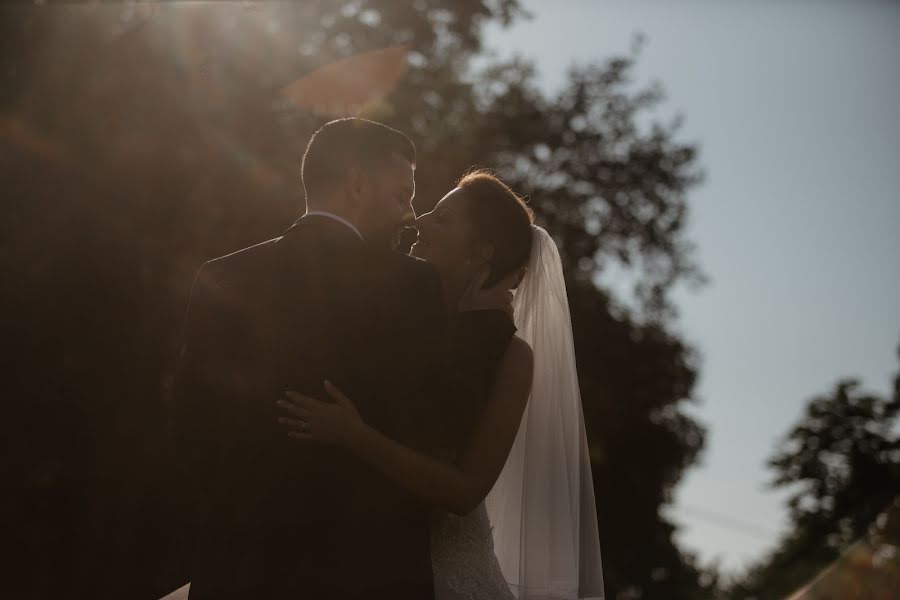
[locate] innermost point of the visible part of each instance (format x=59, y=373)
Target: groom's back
x=292, y=519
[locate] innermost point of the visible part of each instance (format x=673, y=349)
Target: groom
x=329, y=299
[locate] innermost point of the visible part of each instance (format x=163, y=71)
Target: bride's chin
x=418, y=252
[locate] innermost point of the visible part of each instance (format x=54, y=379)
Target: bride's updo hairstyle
x=500, y=218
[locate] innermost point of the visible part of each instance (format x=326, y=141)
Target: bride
x=519, y=518
x=515, y=513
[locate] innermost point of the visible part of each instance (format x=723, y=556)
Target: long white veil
x=542, y=507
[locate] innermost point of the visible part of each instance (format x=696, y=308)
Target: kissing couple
x=354, y=422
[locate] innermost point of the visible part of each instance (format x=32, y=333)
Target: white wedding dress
x=463, y=560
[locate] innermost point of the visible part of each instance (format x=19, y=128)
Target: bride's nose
x=423, y=218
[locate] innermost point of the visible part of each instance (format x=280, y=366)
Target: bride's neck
x=453, y=291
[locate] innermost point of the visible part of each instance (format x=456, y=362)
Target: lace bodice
x=463, y=560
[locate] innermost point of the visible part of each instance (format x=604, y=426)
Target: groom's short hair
x=345, y=143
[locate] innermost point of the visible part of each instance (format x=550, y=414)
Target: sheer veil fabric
x=542, y=507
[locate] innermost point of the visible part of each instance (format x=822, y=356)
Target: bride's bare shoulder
x=519, y=354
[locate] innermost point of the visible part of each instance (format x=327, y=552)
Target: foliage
x=842, y=461
x=137, y=142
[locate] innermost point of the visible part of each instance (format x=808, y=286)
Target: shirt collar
x=339, y=219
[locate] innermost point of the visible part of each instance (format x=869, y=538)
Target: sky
x=796, y=109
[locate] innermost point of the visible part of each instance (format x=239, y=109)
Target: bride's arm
x=459, y=487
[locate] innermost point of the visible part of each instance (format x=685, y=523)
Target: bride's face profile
x=445, y=236
x=481, y=222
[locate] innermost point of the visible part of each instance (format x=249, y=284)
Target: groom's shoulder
x=216, y=272
x=245, y=257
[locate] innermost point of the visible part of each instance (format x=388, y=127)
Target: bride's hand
x=317, y=420
x=496, y=297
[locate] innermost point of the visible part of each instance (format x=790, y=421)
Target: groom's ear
x=359, y=183
x=356, y=184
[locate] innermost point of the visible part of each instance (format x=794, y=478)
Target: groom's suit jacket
x=281, y=518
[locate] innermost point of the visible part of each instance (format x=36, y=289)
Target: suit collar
x=338, y=218
x=327, y=225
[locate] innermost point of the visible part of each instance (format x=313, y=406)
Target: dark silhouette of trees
x=138, y=140
x=842, y=461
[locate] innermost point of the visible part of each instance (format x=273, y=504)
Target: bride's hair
x=501, y=218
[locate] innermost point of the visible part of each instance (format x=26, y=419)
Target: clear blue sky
x=796, y=107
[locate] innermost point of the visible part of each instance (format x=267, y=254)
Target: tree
x=140, y=139
x=842, y=459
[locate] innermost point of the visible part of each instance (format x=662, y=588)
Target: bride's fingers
x=296, y=423
x=295, y=409
x=473, y=297
x=297, y=397
x=305, y=402
x=481, y=277
x=478, y=280
x=505, y=284
x=338, y=395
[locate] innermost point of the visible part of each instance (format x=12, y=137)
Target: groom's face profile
x=387, y=201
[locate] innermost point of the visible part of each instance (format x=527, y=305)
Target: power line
x=727, y=522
